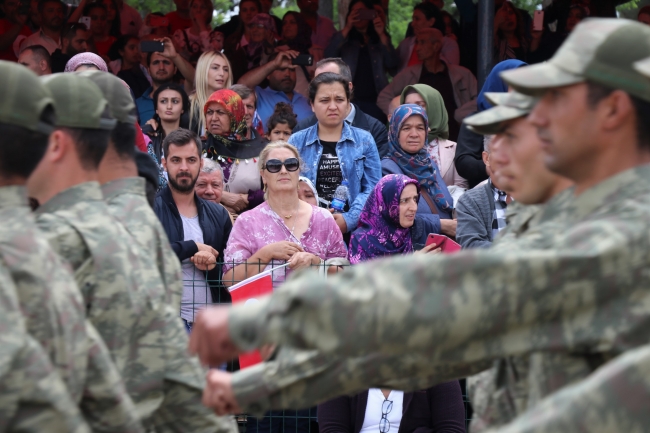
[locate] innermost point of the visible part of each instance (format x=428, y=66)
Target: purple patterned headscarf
x=85, y=59
x=419, y=165
x=379, y=233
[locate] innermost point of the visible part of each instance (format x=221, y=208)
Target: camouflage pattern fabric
x=181, y=409
x=577, y=296
x=55, y=316
x=612, y=400
x=120, y=302
x=33, y=398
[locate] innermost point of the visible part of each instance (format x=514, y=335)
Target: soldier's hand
x=218, y=394
x=207, y=248
x=204, y=261
x=210, y=337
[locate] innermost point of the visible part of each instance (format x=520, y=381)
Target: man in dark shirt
x=74, y=40
x=356, y=117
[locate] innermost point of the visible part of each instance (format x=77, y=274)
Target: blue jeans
x=188, y=326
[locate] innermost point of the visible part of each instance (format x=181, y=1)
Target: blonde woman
x=213, y=73
x=283, y=228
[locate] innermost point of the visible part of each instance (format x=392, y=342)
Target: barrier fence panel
x=206, y=289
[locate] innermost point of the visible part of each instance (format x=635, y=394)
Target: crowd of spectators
x=386, y=120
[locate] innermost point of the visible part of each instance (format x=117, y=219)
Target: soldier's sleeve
x=467, y=307
x=300, y=379
x=33, y=397
x=614, y=398
x=106, y=403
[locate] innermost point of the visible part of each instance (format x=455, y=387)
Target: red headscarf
x=234, y=105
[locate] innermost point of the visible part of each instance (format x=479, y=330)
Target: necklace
x=288, y=217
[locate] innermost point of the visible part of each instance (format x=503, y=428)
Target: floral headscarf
x=379, y=233
x=234, y=105
x=416, y=166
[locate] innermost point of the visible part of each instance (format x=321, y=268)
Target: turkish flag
x=248, y=291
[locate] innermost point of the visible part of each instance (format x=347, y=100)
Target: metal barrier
x=289, y=421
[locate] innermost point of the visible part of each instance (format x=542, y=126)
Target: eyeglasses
x=384, y=424
x=275, y=165
x=415, y=200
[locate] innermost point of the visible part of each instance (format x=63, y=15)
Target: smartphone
x=158, y=21
x=303, y=60
x=152, y=46
x=538, y=21
x=85, y=21
x=446, y=245
x=367, y=14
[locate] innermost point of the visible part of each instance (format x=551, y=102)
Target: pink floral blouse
x=261, y=226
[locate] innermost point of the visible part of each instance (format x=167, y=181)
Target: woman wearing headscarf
x=85, y=62
x=469, y=149
x=407, y=155
x=440, y=149
x=226, y=144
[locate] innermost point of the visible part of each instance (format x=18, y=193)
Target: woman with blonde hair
x=213, y=73
x=283, y=228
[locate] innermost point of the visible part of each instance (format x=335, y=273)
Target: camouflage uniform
x=55, y=317
x=181, y=410
x=572, y=298
x=33, y=398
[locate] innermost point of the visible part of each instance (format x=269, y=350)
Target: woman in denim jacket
x=334, y=151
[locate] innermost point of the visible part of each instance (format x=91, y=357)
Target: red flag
x=248, y=291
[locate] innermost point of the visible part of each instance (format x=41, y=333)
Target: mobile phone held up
x=538, y=21
x=85, y=21
x=303, y=60
x=152, y=46
x=367, y=15
x=445, y=244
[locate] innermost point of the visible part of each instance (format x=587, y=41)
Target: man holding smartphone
x=280, y=72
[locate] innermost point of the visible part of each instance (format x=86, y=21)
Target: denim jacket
x=359, y=159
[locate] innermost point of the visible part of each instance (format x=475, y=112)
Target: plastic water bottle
x=340, y=197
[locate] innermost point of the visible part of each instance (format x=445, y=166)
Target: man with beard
x=49, y=36
x=74, y=40
x=162, y=69
x=197, y=229
x=281, y=76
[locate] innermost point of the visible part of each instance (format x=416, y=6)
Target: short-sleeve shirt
x=267, y=98
x=196, y=292
x=261, y=226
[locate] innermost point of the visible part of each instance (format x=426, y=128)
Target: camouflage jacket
x=127, y=203
x=33, y=398
x=120, y=302
x=576, y=293
x=55, y=316
x=613, y=399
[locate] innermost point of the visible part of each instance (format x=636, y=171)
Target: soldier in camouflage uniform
x=124, y=192
x=33, y=396
x=572, y=300
x=78, y=225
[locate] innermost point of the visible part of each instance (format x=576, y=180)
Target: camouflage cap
x=600, y=50
x=507, y=106
x=24, y=98
x=78, y=102
x=116, y=93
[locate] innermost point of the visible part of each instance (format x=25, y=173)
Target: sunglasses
x=275, y=165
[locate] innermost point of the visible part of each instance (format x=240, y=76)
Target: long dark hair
x=302, y=41
x=431, y=11
x=185, y=117
x=328, y=78
x=119, y=45
x=354, y=34
x=519, y=31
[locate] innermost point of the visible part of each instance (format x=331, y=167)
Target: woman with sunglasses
x=407, y=154
x=334, y=151
x=227, y=144
x=283, y=228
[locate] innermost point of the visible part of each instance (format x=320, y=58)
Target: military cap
x=116, y=93
x=24, y=98
x=507, y=106
x=601, y=51
x=78, y=102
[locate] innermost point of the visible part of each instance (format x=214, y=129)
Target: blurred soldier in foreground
x=50, y=300
x=180, y=409
x=578, y=297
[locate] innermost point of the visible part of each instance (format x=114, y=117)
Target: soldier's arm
x=467, y=307
x=614, y=398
